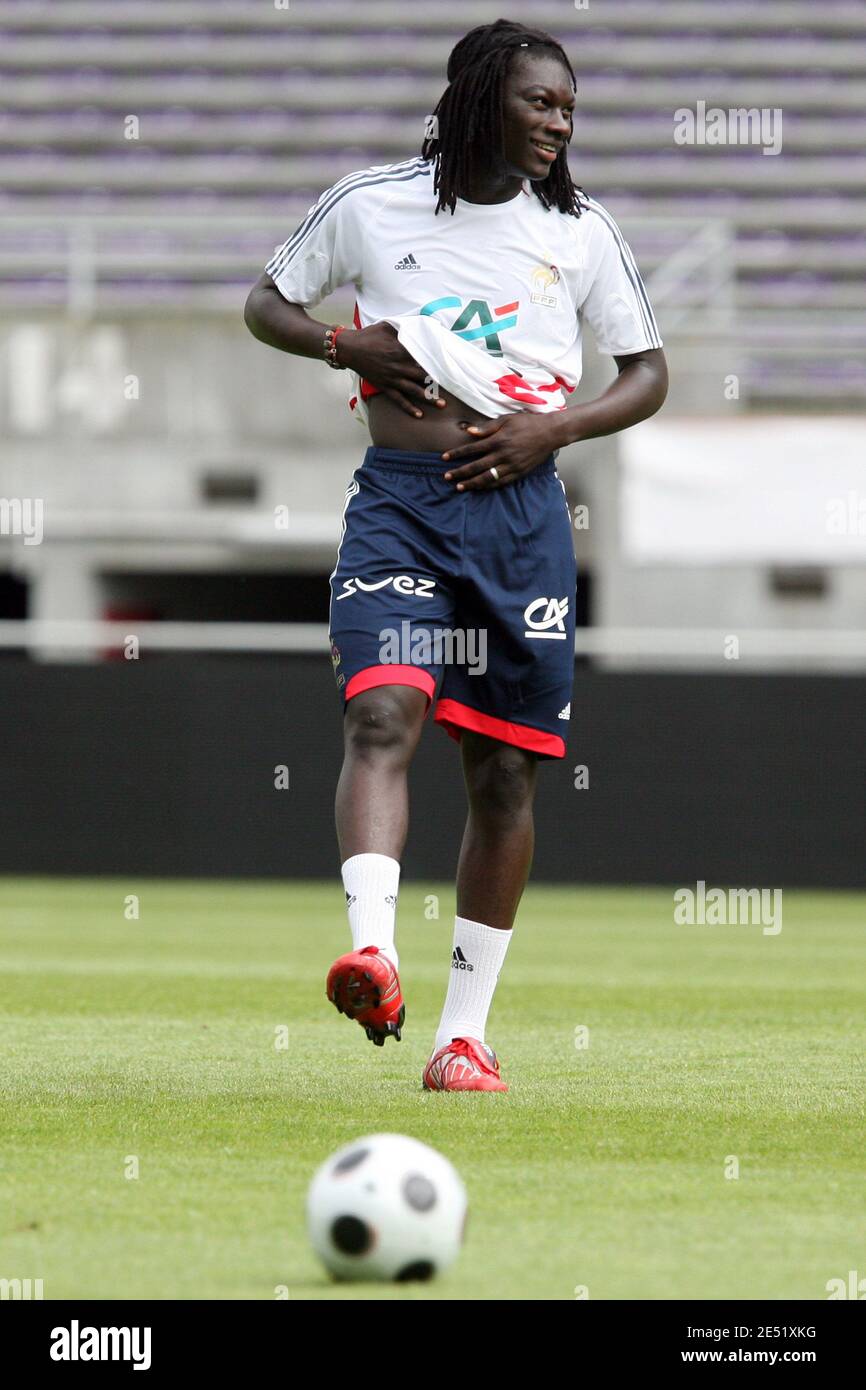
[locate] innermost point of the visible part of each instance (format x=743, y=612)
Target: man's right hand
x=378, y=356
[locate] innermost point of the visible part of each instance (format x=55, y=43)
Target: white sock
x=476, y=961
x=371, y=882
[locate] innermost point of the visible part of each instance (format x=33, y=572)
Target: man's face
x=538, y=103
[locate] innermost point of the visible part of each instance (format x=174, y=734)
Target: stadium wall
x=167, y=767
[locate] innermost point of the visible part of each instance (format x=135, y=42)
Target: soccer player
x=474, y=266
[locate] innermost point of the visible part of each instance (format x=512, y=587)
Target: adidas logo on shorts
x=565, y=713
x=459, y=961
x=408, y=263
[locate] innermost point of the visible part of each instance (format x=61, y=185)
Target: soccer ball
x=386, y=1207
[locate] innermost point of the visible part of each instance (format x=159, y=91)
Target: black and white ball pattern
x=387, y=1207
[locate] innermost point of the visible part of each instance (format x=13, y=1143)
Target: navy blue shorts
x=478, y=587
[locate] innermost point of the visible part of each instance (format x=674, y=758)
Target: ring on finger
x=495, y=472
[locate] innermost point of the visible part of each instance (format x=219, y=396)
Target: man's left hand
x=512, y=444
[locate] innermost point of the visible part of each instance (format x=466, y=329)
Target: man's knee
x=384, y=719
x=500, y=779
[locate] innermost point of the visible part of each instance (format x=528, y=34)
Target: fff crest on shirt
x=544, y=277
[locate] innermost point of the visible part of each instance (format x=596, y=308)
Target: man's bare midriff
x=391, y=427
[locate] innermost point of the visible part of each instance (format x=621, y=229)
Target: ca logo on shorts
x=551, y=622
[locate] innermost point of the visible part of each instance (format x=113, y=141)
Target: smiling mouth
x=544, y=146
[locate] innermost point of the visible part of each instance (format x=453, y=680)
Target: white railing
x=696, y=272
x=699, y=277
x=803, y=645
x=132, y=246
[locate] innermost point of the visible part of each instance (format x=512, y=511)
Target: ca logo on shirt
x=551, y=619
x=476, y=320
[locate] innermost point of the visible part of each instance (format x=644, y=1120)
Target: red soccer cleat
x=464, y=1064
x=365, y=986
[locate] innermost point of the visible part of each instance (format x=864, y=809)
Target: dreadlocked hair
x=468, y=118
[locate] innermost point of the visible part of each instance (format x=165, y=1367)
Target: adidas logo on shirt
x=408, y=263
x=459, y=961
x=565, y=713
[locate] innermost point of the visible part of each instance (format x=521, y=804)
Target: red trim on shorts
x=392, y=675
x=454, y=716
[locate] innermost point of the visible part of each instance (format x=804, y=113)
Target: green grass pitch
x=604, y=1168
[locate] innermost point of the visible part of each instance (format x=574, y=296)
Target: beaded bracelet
x=330, y=346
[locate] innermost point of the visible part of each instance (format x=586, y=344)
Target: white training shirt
x=489, y=301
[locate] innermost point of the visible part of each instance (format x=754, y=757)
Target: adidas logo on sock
x=408, y=263
x=350, y=898
x=565, y=713
x=459, y=961
x=390, y=899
